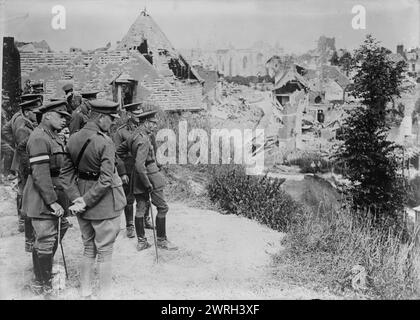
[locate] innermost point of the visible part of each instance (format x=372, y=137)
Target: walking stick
x=153, y=225
x=61, y=246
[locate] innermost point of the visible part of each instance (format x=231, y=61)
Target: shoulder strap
x=82, y=151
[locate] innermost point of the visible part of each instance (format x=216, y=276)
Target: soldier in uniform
x=25, y=117
x=73, y=100
x=90, y=179
x=80, y=116
x=30, y=109
x=147, y=180
x=44, y=200
x=126, y=169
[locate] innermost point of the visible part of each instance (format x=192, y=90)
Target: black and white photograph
x=212, y=150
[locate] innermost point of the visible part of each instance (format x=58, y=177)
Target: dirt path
x=220, y=257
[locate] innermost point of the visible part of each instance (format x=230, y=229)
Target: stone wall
x=95, y=71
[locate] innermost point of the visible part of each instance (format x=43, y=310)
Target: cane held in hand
x=154, y=230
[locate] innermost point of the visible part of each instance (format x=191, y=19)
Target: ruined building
x=144, y=66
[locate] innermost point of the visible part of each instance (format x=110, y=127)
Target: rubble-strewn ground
x=220, y=257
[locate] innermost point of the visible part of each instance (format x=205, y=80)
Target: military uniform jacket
x=122, y=134
x=45, y=150
x=73, y=102
x=147, y=172
x=105, y=196
x=79, y=117
x=22, y=137
x=9, y=134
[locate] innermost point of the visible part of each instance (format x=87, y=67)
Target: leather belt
x=89, y=175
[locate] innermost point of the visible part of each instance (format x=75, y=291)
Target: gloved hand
x=57, y=210
x=149, y=189
x=78, y=205
x=125, y=179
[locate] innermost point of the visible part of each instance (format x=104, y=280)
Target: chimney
x=400, y=49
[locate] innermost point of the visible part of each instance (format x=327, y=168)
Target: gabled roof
x=291, y=74
x=145, y=28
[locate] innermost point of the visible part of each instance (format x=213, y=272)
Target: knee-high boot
x=36, y=286
x=162, y=241
x=45, y=266
x=86, y=275
x=21, y=219
x=141, y=239
x=128, y=211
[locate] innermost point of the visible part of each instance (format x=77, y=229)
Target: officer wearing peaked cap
x=31, y=96
x=44, y=200
x=24, y=118
x=80, y=116
x=90, y=179
x=127, y=166
x=146, y=180
x=30, y=108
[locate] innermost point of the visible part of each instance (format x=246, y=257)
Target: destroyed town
x=281, y=162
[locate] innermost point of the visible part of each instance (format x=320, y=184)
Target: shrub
x=258, y=198
x=330, y=244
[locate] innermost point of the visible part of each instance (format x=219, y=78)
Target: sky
x=294, y=24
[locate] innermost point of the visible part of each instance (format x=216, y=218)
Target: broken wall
x=95, y=71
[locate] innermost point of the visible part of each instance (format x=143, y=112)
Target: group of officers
x=69, y=163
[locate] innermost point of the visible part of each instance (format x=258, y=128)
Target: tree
x=369, y=157
x=334, y=59
x=345, y=62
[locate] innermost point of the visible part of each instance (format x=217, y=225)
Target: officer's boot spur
x=162, y=240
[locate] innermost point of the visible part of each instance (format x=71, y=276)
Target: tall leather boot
x=21, y=219
x=36, y=286
x=128, y=211
x=162, y=241
x=141, y=238
x=105, y=280
x=45, y=266
x=29, y=235
x=86, y=276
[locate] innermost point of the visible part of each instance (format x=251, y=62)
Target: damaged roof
x=145, y=28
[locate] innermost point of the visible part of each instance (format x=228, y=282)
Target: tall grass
x=333, y=242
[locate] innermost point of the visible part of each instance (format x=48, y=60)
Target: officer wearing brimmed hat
x=127, y=168
x=147, y=180
x=44, y=200
x=80, y=116
x=73, y=100
x=23, y=118
x=90, y=179
x=31, y=96
x=29, y=109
